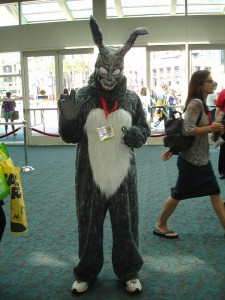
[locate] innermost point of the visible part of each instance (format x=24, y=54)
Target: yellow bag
x=17, y=204
x=159, y=112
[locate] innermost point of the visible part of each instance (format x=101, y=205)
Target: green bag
x=4, y=188
x=5, y=151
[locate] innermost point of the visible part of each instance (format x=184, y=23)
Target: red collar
x=107, y=112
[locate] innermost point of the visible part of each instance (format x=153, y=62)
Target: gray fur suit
x=105, y=168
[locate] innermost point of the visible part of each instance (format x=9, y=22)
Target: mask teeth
x=107, y=87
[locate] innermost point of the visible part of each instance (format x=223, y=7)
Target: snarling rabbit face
x=109, y=68
x=110, y=62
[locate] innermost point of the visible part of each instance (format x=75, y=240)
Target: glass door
x=11, y=81
x=167, y=84
x=41, y=95
x=76, y=68
x=46, y=77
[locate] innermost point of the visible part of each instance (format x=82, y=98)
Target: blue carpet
x=38, y=264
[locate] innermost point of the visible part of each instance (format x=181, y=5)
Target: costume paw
x=134, y=137
x=67, y=106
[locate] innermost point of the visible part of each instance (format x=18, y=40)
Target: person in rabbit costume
x=107, y=121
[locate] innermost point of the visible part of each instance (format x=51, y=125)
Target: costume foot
x=133, y=285
x=168, y=234
x=79, y=286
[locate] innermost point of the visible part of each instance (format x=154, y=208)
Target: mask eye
x=116, y=72
x=103, y=71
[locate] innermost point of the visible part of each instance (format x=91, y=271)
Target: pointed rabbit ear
x=96, y=33
x=130, y=42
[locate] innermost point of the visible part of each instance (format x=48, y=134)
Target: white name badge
x=106, y=133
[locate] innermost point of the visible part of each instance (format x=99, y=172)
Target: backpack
x=174, y=139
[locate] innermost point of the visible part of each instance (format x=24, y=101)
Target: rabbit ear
x=130, y=42
x=96, y=33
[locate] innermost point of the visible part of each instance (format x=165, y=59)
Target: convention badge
x=106, y=133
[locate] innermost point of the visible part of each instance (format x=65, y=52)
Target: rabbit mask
x=110, y=62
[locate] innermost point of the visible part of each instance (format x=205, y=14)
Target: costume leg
x=91, y=211
x=123, y=208
x=221, y=161
x=2, y=220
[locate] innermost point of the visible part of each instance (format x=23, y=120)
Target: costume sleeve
x=71, y=131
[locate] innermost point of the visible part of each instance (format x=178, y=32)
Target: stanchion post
x=26, y=168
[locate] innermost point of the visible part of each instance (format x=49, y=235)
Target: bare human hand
x=166, y=155
x=217, y=127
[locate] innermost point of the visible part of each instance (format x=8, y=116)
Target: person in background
x=161, y=112
x=8, y=107
x=196, y=177
x=143, y=91
x=153, y=100
x=143, y=96
x=211, y=102
x=171, y=102
x=220, y=110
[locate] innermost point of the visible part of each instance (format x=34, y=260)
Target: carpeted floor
x=38, y=264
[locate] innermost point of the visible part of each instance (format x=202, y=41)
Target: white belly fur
x=110, y=160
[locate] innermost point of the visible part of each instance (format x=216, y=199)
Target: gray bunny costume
x=106, y=121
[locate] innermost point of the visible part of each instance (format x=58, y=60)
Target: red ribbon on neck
x=107, y=112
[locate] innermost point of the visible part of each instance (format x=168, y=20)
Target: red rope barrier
x=158, y=135
x=11, y=132
x=44, y=133
x=56, y=135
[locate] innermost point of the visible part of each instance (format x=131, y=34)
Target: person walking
x=220, y=111
x=196, y=177
x=171, y=103
x=8, y=107
x=211, y=102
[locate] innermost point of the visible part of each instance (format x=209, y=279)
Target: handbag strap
x=199, y=118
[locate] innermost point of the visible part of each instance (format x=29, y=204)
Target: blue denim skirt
x=194, y=181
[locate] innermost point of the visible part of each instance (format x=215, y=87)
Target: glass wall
x=47, y=75
x=11, y=81
x=143, y=8
x=9, y=14
x=212, y=60
x=162, y=70
x=45, y=11
x=167, y=83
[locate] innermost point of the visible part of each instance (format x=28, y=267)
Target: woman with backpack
x=196, y=177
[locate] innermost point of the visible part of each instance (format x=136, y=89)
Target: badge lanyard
x=107, y=112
